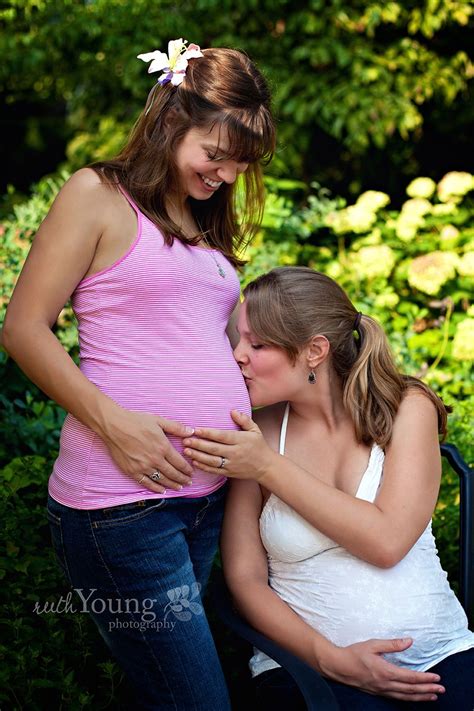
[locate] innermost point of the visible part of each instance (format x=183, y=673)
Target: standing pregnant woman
x=146, y=246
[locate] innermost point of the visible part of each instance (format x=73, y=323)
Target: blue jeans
x=139, y=570
x=276, y=690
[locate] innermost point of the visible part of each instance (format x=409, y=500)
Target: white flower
x=454, y=185
x=174, y=64
x=463, y=342
x=429, y=272
x=417, y=206
x=466, y=264
x=373, y=199
x=421, y=188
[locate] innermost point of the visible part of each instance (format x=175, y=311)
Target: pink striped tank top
x=152, y=337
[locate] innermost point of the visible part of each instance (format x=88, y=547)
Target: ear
x=317, y=351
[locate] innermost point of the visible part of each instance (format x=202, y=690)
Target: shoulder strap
x=129, y=199
x=284, y=425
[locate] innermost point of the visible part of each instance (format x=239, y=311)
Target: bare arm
x=246, y=572
x=62, y=252
x=381, y=532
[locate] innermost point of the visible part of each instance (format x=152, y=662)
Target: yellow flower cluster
x=449, y=236
x=421, y=188
x=463, y=342
x=371, y=262
x=454, y=185
x=411, y=218
x=429, y=272
x=360, y=217
x=466, y=264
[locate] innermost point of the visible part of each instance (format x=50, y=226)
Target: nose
x=239, y=353
x=229, y=171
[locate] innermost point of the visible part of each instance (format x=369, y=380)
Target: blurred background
x=371, y=183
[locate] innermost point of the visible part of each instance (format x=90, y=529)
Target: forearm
x=357, y=525
x=269, y=614
x=44, y=360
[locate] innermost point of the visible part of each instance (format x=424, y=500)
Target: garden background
x=371, y=184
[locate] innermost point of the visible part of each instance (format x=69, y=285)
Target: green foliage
x=349, y=79
x=49, y=659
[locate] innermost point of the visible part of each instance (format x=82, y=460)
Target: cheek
x=267, y=365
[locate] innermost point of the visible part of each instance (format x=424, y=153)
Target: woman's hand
x=240, y=454
x=138, y=444
x=362, y=665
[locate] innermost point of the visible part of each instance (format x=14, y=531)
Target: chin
x=263, y=400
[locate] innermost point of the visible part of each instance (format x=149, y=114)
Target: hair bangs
x=250, y=135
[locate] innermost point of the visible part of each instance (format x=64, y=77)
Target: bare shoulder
x=82, y=209
x=417, y=402
x=417, y=416
x=269, y=420
x=85, y=185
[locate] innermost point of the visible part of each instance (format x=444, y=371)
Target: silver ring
x=155, y=476
x=223, y=463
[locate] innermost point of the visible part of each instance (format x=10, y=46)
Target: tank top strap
x=284, y=426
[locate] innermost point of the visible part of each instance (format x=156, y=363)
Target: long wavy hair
x=288, y=306
x=222, y=88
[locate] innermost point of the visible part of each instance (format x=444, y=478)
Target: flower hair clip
x=174, y=64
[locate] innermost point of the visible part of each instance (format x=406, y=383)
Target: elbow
x=9, y=336
x=6, y=339
x=387, y=556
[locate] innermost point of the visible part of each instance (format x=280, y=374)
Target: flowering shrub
x=412, y=269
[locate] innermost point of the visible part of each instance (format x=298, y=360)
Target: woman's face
x=269, y=374
x=202, y=162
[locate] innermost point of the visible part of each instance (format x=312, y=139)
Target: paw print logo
x=181, y=603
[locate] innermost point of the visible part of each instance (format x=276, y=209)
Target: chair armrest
x=466, y=537
x=317, y=694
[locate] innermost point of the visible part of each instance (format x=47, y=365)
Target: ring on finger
x=156, y=475
x=143, y=476
x=223, y=463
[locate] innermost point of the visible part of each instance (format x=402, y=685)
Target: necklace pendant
x=221, y=271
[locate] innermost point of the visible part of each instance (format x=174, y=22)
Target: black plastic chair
x=316, y=692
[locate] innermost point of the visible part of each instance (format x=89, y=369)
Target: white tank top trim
x=349, y=600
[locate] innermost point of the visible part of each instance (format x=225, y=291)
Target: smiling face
x=202, y=163
x=269, y=373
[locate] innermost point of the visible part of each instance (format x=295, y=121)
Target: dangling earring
x=312, y=377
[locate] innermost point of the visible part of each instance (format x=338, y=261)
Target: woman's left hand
x=242, y=454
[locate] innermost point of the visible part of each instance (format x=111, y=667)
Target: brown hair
x=222, y=88
x=290, y=305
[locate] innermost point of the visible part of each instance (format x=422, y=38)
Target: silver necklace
x=219, y=266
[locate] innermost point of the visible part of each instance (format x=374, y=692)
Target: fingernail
x=437, y=678
x=434, y=698
x=189, y=430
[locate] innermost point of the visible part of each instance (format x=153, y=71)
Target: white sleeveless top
x=349, y=600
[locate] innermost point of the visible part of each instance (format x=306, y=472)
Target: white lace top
x=349, y=600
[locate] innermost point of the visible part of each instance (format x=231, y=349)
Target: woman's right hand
x=362, y=665
x=139, y=446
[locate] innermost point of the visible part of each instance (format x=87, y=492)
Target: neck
x=322, y=402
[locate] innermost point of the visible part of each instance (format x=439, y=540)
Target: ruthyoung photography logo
x=130, y=613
